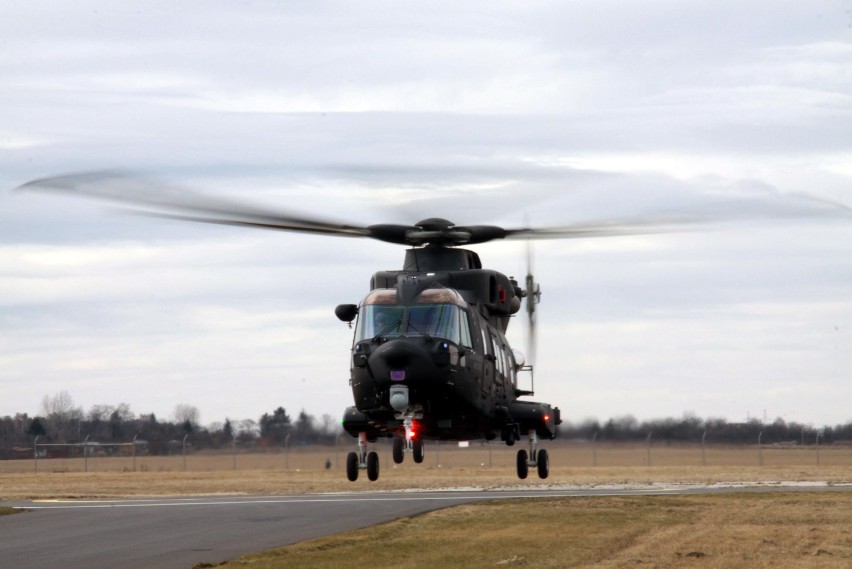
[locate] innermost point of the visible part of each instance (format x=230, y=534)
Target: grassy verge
x=21, y=486
x=713, y=532
x=6, y=511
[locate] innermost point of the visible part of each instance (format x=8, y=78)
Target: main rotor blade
x=609, y=228
x=701, y=215
x=162, y=200
x=154, y=198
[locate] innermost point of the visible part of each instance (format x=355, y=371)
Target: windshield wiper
x=387, y=329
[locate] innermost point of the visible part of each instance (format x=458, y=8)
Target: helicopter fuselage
x=430, y=345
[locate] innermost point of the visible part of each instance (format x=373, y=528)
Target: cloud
x=385, y=112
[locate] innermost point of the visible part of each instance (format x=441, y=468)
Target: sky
x=509, y=113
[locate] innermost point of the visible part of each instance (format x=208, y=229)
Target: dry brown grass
x=714, y=532
x=711, y=532
x=303, y=470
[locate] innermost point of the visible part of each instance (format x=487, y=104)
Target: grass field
x=447, y=455
x=716, y=531
x=711, y=532
x=303, y=470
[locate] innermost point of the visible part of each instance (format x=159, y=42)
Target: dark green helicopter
x=430, y=359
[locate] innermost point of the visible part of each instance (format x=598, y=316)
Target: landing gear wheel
x=352, y=466
x=418, y=452
x=372, y=466
x=398, y=454
x=523, y=468
x=511, y=435
x=543, y=464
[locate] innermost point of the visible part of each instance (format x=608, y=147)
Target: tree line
x=691, y=428
x=62, y=422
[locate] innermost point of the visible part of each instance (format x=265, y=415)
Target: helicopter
x=430, y=359
x=429, y=356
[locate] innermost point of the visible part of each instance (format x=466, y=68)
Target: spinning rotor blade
x=148, y=197
x=608, y=228
x=533, y=296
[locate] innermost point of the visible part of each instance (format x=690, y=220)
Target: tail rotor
x=532, y=292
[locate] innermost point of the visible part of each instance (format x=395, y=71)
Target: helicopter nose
x=401, y=360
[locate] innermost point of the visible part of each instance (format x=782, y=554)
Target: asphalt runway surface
x=179, y=533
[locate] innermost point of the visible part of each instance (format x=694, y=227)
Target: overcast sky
x=488, y=112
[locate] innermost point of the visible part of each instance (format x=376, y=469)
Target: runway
x=179, y=533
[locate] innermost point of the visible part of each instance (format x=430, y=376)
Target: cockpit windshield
x=437, y=313
x=379, y=320
x=436, y=320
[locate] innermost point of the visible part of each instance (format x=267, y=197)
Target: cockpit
x=436, y=312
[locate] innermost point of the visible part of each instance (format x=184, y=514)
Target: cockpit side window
x=464, y=329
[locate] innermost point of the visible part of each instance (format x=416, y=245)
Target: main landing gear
x=538, y=460
x=362, y=460
x=369, y=461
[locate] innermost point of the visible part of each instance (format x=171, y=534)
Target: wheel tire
x=352, y=466
x=510, y=438
x=373, y=466
x=418, y=451
x=398, y=454
x=523, y=468
x=543, y=464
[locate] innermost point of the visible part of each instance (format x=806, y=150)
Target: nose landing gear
x=535, y=459
x=410, y=443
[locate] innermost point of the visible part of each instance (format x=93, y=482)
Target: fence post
x=35, y=453
x=134, y=452
x=817, y=447
x=703, y=455
x=595, y=449
x=287, y=451
x=649, y=447
x=759, y=449
x=234, y=448
x=86, y=454
x=184, y=451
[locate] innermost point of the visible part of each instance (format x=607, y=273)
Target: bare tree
x=99, y=412
x=187, y=415
x=60, y=405
x=62, y=417
x=247, y=430
x=123, y=413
